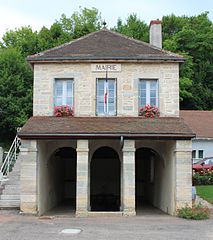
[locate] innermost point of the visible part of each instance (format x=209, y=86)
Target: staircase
x=10, y=178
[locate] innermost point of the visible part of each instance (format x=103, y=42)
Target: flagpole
x=105, y=94
x=107, y=86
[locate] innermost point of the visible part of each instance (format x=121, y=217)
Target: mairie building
x=91, y=143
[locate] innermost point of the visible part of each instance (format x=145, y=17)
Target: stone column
x=28, y=176
x=129, y=178
x=82, y=177
x=183, y=167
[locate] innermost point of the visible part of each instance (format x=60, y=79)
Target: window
x=148, y=92
x=63, y=92
x=106, y=97
x=194, y=154
x=200, y=154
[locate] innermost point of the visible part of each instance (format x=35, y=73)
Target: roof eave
x=105, y=135
x=135, y=60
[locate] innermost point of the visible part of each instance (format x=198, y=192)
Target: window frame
x=157, y=91
x=200, y=151
x=63, y=87
x=193, y=153
x=115, y=95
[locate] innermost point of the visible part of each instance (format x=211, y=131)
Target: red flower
x=63, y=111
x=149, y=111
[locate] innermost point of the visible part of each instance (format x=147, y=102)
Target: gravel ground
x=14, y=226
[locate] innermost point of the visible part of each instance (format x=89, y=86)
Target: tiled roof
x=201, y=122
x=104, y=45
x=39, y=127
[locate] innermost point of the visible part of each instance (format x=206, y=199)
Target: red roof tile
x=201, y=122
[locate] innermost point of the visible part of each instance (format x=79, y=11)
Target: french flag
x=106, y=94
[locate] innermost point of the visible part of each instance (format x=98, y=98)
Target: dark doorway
x=105, y=180
x=62, y=170
x=144, y=176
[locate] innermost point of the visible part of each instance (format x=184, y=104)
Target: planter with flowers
x=149, y=111
x=63, y=111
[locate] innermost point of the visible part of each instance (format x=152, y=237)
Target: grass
x=205, y=192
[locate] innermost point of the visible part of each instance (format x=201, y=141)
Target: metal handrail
x=10, y=157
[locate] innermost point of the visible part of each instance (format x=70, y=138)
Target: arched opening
x=105, y=172
x=145, y=176
x=59, y=182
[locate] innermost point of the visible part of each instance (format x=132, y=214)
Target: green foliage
x=49, y=38
x=172, y=24
x=205, y=192
x=204, y=177
x=192, y=36
x=81, y=23
x=16, y=92
x=133, y=27
x=197, y=212
x=23, y=39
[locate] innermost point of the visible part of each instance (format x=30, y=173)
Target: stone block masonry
x=129, y=178
x=183, y=162
x=28, y=178
x=127, y=81
x=82, y=178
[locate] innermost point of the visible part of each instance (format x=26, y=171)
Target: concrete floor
x=155, y=226
x=65, y=209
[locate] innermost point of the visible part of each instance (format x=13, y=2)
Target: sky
x=18, y=13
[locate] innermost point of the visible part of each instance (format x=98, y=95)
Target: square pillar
x=82, y=177
x=183, y=168
x=28, y=177
x=129, y=178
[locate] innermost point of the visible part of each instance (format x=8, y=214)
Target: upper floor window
x=63, y=92
x=106, y=97
x=148, y=92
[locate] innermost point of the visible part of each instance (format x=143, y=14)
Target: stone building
x=107, y=158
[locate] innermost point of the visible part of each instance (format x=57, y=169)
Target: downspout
x=122, y=141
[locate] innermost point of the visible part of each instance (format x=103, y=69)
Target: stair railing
x=10, y=157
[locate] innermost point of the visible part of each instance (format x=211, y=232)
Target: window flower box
x=63, y=111
x=149, y=111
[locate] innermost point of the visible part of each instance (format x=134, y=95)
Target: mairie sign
x=106, y=67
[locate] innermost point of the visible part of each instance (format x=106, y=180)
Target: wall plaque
x=106, y=67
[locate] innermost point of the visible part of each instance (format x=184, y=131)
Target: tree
x=193, y=36
x=23, y=39
x=16, y=92
x=133, y=27
x=81, y=23
x=49, y=38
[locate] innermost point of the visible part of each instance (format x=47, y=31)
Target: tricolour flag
x=106, y=94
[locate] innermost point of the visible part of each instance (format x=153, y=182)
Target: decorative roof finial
x=104, y=24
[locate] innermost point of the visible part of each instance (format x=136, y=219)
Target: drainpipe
x=122, y=142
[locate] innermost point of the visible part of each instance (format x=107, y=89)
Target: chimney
x=155, y=33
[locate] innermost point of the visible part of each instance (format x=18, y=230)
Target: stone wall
x=183, y=167
x=127, y=87
x=28, y=177
x=48, y=173
x=161, y=191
